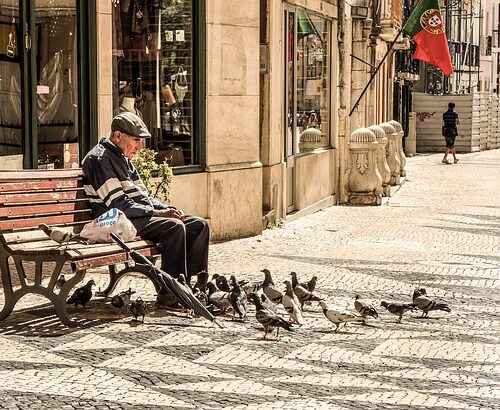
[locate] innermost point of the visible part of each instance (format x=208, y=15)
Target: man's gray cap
x=130, y=124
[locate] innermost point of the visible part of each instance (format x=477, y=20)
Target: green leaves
x=158, y=186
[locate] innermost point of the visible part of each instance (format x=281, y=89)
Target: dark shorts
x=449, y=135
x=450, y=142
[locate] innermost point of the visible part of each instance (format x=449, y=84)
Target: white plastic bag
x=113, y=221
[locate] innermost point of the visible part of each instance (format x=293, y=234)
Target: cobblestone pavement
x=441, y=231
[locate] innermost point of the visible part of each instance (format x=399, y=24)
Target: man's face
x=128, y=144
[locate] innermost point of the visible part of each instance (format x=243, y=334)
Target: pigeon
x=200, y=288
x=250, y=287
x=426, y=304
x=398, y=308
x=238, y=299
x=291, y=305
x=201, y=281
x=364, y=309
x=302, y=293
x=218, y=297
x=222, y=284
x=61, y=235
x=269, y=289
x=61, y=280
x=138, y=308
x=268, y=304
x=81, y=296
x=269, y=319
x=311, y=285
x=185, y=286
x=122, y=300
x=338, y=315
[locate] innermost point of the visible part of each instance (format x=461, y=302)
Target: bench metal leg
x=116, y=275
x=8, y=292
x=58, y=300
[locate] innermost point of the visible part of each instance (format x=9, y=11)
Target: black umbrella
x=165, y=281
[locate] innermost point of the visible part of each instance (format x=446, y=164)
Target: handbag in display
x=168, y=151
x=11, y=45
x=181, y=84
x=168, y=95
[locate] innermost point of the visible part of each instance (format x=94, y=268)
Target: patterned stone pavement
x=441, y=231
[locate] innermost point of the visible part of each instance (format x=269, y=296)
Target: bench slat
x=74, y=250
x=21, y=236
x=113, y=259
x=32, y=197
x=10, y=224
x=17, y=175
x=36, y=185
x=58, y=207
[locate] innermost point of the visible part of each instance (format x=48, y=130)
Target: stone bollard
x=402, y=157
x=382, y=165
x=392, y=153
x=364, y=181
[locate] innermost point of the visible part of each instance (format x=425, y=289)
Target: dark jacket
x=111, y=181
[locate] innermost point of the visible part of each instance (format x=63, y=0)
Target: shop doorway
x=40, y=75
x=290, y=137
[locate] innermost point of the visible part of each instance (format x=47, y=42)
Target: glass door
x=290, y=136
x=39, y=87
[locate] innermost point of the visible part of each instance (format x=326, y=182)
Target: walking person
x=450, y=132
x=112, y=181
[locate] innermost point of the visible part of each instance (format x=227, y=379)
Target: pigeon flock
x=230, y=297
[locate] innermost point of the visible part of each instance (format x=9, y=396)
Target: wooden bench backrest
x=31, y=197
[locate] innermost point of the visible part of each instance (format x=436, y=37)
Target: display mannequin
x=128, y=104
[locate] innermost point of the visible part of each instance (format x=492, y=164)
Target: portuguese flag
x=425, y=26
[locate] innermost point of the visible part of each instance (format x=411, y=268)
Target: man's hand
x=169, y=213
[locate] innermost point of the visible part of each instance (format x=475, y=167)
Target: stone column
x=402, y=157
x=392, y=152
x=382, y=165
x=364, y=181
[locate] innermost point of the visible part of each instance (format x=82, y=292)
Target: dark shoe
x=455, y=161
x=445, y=161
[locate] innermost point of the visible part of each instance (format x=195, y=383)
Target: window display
x=45, y=82
x=153, y=63
x=308, y=74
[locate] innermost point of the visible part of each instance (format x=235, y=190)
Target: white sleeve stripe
x=89, y=190
x=110, y=185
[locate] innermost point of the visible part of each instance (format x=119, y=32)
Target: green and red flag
x=425, y=27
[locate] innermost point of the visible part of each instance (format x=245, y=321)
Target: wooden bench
x=56, y=198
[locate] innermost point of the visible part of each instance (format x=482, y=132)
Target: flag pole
x=376, y=71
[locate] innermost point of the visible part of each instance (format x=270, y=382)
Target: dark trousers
x=184, y=244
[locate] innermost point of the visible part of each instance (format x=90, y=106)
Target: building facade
x=252, y=102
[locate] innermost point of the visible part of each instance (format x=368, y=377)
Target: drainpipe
x=343, y=103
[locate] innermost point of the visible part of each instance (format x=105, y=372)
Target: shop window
x=309, y=56
x=40, y=88
x=153, y=63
